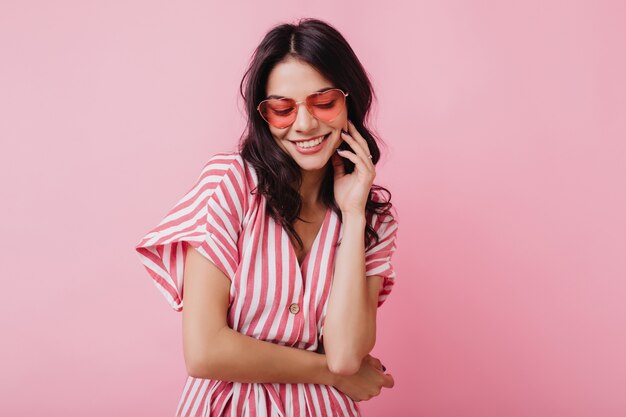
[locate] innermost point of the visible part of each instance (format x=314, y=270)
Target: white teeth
x=310, y=143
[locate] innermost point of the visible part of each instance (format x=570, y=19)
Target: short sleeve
x=378, y=255
x=208, y=217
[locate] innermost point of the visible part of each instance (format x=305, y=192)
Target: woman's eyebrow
x=321, y=90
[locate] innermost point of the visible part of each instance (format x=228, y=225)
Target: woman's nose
x=305, y=121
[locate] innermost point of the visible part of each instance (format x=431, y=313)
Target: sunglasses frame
x=297, y=107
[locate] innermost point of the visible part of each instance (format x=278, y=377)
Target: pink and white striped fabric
x=224, y=221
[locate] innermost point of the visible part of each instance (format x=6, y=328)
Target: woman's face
x=296, y=79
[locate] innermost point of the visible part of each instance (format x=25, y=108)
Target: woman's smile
x=310, y=146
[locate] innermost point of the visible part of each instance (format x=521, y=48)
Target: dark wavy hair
x=279, y=177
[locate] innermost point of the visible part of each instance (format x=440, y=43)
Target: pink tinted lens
x=327, y=105
x=279, y=112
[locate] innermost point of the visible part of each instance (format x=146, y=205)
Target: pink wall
x=506, y=127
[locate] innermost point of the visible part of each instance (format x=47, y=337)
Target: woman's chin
x=312, y=166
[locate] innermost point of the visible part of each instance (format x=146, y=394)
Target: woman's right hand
x=367, y=382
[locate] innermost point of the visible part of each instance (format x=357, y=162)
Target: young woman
x=284, y=247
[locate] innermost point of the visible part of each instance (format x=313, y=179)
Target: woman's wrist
x=353, y=217
x=327, y=377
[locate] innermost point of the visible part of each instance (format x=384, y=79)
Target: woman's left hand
x=352, y=190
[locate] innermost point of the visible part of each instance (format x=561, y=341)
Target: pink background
x=506, y=157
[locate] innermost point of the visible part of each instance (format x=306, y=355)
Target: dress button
x=294, y=308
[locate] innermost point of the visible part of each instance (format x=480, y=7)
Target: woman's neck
x=311, y=186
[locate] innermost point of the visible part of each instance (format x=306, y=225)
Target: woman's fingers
x=354, y=145
x=388, y=381
x=360, y=140
x=338, y=167
x=350, y=155
x=378, y=363
x=358, y=151
x=353, y=142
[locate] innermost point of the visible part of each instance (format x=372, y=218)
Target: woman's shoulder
x=224, y=161
x=234, y=178
x=231, y=162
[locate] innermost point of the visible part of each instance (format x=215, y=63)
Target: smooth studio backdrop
x=505, y=125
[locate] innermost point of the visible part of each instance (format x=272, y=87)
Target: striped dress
x=272, y=297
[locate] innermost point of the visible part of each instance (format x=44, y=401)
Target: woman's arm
x=350, y=323
x=214, y=350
